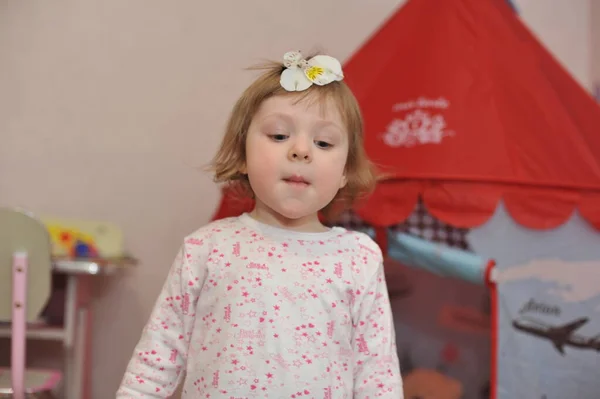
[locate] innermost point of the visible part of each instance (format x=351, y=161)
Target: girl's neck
x=306, y=224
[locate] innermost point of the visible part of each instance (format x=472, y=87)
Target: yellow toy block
x=84, y=238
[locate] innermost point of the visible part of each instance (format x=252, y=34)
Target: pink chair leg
x=87, y=384
x=19, y=321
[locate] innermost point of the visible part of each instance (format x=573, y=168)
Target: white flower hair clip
x=300, y=74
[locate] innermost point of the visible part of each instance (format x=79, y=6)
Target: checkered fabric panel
x=420, y=224
x=350, y=221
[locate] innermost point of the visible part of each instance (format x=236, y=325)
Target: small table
x=76, y=329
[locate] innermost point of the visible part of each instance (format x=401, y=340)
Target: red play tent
x=463, y=107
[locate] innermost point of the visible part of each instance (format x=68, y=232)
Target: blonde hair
x=230, y=159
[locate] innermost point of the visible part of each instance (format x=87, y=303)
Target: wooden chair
x=25, y=282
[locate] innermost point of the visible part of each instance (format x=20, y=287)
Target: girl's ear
x=343, y=181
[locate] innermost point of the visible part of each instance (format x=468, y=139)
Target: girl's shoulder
x=214, y=231
x=363, y=242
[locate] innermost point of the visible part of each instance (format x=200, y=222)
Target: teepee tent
x=463, y=107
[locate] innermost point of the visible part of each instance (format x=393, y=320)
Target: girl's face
x=296, y=155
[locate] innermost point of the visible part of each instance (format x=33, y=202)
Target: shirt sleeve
x=376, y=368
x=159, y=358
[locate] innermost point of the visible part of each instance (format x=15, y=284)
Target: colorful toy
x=75, y=243
x=84, y=239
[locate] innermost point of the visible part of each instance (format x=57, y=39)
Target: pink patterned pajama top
x=252, y=311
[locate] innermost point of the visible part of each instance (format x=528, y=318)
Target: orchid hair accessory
x=300, y=74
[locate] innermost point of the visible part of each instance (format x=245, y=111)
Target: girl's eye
x=323, y=144
x=278, y=137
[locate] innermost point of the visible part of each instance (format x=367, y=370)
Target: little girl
x=273, y=304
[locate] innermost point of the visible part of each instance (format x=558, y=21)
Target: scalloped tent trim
x=472, y=204
x=459, y=204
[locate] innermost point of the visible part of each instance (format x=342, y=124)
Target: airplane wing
x=568, y=329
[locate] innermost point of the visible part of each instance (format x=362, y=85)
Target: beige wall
x=565, y=27
x=109, y=108
x=595, y=44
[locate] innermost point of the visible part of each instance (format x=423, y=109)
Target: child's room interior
x=484, y=113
